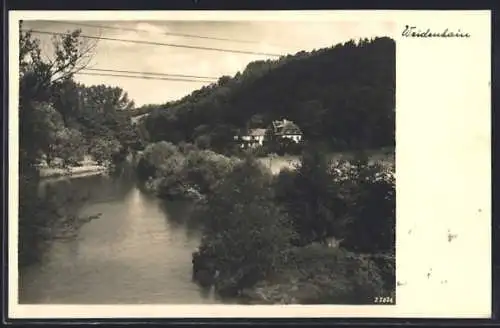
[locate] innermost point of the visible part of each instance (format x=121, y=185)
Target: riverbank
x=79, y=171
x=86, y=167
x=384, y=156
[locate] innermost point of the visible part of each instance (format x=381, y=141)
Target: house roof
x=286, y=127
x=257, y=132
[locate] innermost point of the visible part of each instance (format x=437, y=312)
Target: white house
x=281, y=129
x=253, y=138
x=287, y=129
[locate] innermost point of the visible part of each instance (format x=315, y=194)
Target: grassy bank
x=87, y=166
x=384, y=156
x=316, y=274
x=71, y=171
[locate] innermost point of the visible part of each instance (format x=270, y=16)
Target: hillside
x=343, y=95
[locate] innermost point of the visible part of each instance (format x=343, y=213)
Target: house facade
x=253, y=138
x=282, y=129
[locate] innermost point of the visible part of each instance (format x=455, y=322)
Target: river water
x=138, y=251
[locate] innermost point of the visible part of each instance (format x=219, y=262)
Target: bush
x=102, y=148
x=185, y=147
x=340, y=276
x=255, y=152
x=161, y=168
x=387, y=267
x=245, y=233
x=369, y=191
x=316, y=274
x=204, y=169
x=311, y=197
x=350, y=200
x=171, y=172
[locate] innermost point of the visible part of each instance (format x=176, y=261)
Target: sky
x=279, y=37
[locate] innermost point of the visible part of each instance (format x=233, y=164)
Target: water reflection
x=138, y=251
x=179, y=216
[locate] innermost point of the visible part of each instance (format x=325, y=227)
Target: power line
x=151, y=73
x=158, y=43
x=145, y=77
x=142, y=30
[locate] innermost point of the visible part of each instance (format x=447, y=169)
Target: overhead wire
x=145, y=77
x=151, y=73
x=158, y=43
x=76, y=23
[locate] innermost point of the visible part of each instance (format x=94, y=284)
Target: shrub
x=178, y=173
x=350, y=200
x=311, y=198
x=387, y=268
x=205, y=168
x=102, y=148
x=161, y=165
x=339, y=276
x=185, y=147
x=259, y=151
x=245, y=233
x=369, y=190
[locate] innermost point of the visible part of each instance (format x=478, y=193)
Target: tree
x=256, y=121
x=271, y=141
x=67, y=145
x=245, y=234
x=203, y=141
x=311, y=197
x=205, y=169
x=38, y=73
x=373, y=202
x=102, y=115
x=42, y=129
x=40, y=77
x=106, y=99
x=312, y=115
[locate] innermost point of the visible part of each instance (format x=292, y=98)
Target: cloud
x=151, y=29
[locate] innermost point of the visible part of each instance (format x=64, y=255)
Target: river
x=138, y=251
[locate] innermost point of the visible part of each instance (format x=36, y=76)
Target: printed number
x=383, y=300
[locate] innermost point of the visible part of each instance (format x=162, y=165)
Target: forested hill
x=343, y=95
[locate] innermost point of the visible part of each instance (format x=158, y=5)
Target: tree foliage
x=245, y=234
x=343, y=95
x=61, y=119
x=42, y=130
x=311, y=196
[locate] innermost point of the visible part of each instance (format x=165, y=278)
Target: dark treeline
x=343, y=95
x=62, y=121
